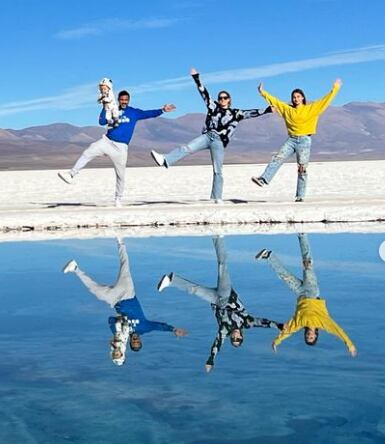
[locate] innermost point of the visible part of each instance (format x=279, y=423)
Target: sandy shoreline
x=338, y=192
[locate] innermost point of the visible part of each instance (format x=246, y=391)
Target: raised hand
x=168, y=107
x=353, y=351
x=193, y=71
x=180, y=332
x=338, y=82
x=260, y=87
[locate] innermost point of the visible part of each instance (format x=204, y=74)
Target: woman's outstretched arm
x=320, y=105
x=279, y=106
x=202, y=90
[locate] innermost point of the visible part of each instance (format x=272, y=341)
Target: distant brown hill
x=355, y=131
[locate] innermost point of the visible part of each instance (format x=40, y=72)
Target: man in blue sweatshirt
x=114, y=144
x=121, y=296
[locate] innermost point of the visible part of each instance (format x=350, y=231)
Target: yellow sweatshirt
x=312, y=313
x=302, y=120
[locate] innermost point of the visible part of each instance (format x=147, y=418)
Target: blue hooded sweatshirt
x=127, y=121
x=132, y=309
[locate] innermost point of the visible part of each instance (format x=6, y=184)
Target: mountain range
x=355, y=131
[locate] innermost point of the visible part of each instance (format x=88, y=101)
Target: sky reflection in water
x=59, y=384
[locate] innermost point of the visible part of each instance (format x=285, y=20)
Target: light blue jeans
x=300, y=145
x=209, y=141
x=218, y=295
x=307, y=287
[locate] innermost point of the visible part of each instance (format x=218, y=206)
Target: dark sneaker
x=260, y=181
x=263, y=254
x=299, y=199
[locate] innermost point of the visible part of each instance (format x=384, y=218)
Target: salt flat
x=176, y=200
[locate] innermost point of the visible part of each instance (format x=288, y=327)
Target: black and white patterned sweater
x=224, y=121
x=231, y=316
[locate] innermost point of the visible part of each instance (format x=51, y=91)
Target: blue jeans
x=307, y=286
x=300, y=145
x=209, y=141
x=218, y=295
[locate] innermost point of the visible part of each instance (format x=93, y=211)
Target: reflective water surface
x=223, y=353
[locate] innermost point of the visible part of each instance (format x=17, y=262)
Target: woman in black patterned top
x=221, y=122
x=230, y=313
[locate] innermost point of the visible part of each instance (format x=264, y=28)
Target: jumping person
x=230, y=313
x=221, y=122
x=121, y=296
x=311, y=313
x=301, y=121
x=114, y=143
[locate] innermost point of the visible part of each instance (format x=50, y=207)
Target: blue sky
x=55, y=53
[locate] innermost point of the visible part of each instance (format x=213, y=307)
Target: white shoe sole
x=64, y=179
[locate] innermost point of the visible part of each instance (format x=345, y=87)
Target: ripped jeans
x=300, y=145
x=209, y=141
x=307, y=287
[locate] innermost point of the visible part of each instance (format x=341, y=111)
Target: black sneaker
x=299, y=199
x=263, y=254
x=260, y=181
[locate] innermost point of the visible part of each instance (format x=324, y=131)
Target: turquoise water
x=59, y=384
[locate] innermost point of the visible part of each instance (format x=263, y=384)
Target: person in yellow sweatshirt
x=301, y=121
x=311, y=313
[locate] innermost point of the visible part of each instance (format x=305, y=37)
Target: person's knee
x=120, y=172
x=186, y=149
x=278, y=158
x=302, y=169
x=89, y=154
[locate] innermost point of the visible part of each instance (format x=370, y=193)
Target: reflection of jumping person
x=115, y=143
x=221, y=122
x=301, y=121
x=121, y=297
x=311, y=313
x=230, y=313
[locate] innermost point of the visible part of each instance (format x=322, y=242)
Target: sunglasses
x=223, y=98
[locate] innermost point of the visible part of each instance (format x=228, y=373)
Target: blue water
x=58, y=384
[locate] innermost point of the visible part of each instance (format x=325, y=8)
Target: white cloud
x=112, y=25
x=84, y=95
x=353, y=56
x=73, y=98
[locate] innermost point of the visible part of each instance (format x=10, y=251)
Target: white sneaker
x=70, y=267
x=164, y=282
x=159, y=158
x=219, y=201
x=118, y=203
x=66, y=176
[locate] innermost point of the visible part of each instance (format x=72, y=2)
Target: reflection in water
x=231, y=315
x=57, y=386
x=130, y=322
x=311, y=313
